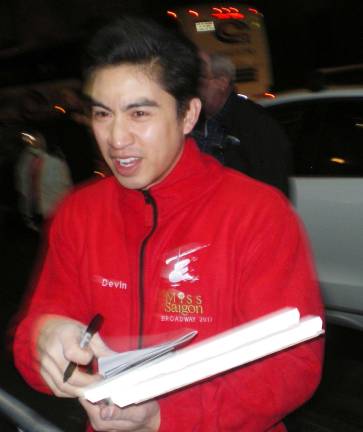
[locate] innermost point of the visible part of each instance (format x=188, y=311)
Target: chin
x=132, y=184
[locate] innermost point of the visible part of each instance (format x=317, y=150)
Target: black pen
x=91, y=329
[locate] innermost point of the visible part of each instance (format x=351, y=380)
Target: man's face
x=212, y=90
x=136, y=125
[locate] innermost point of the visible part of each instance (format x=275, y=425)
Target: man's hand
x=135, y=418
x=58, y=344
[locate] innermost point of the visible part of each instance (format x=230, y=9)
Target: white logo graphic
x=181, y=268
x=180, y=272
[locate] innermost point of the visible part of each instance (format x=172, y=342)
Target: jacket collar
x=194, y=175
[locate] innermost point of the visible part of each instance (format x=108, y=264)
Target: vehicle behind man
x=236, y=32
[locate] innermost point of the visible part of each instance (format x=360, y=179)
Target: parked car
x=326, y=132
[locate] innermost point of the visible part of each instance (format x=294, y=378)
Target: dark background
x=43, y=39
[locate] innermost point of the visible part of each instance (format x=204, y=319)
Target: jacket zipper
x=149, y=200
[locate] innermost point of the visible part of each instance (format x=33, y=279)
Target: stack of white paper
x=209, y=357
x=112, y=365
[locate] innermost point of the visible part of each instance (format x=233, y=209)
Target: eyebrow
x=143, y=102
x=95, y=103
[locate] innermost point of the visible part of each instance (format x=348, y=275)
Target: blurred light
x=233, y=9
x=172, y=14
x=217, y=10
x=338, y=160
x=59, y=108
x=254, y=11
x=99, y=173
x=237, y=15
x=223, y=16
x=242, y=95
x=269, y=95
x=27, y=136
x=193, y=13
x=224, y=9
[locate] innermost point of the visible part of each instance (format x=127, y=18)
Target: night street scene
x=305, y=71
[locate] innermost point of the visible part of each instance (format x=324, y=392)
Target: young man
x=172, y=240
x=238, y=131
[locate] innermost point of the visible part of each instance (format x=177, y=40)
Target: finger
x=52, y=359
x=93, y=413
x=103, y=422
x=109, y=412
x=141, y=412
x=99, y=424
x=134, y=417
x=81, y=379
x=105, y=417
x=50, y=373
x=54, y=386
x=73, y=352
x=54, y=377
x=98, y=347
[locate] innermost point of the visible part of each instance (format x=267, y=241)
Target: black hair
x=171, y=58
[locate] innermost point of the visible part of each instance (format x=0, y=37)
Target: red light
x=172, y=14
x=217, y=10
x=224, y=16
x=269, y=95
x=220, y=16
x=237, y=16
x=224, y=9
x=233, y=9
x=193, y=13
x=254, y=11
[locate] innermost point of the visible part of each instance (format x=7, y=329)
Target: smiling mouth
x=127, y=162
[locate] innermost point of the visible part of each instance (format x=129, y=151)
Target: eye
x=99, y=113
x=140, y=114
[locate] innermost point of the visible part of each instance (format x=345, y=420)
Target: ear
x=191, y=115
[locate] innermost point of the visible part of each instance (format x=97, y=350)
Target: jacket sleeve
x=55, y=291
x=275, y=271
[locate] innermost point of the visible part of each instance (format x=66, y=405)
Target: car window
x=341, y=140
x=326, y=136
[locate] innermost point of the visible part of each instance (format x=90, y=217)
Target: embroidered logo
x=180, y=267
x=180, y=272
x=178, y=302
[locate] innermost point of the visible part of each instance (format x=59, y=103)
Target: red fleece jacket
x=208, y=248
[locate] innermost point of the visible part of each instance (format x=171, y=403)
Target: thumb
x=108, y=412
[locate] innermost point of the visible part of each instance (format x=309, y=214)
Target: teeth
x=127, y=161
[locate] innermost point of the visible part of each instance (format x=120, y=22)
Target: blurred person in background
x=236, y=130
x=42, y=179
x=62, y=119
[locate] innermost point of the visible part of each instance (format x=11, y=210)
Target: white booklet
x=171, y=370
x=116, y=363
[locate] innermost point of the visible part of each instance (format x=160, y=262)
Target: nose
x=121, y=135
